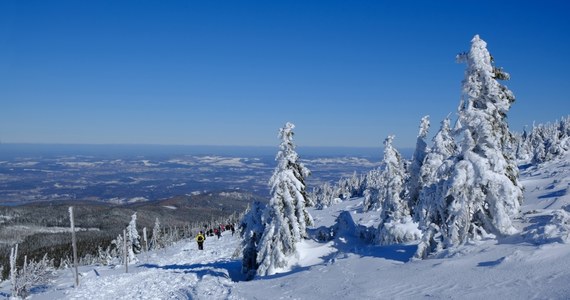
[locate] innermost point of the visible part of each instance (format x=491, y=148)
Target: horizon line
x=178, y=145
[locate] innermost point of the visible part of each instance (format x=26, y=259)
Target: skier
x=200, y=238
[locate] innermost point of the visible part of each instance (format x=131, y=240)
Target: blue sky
x=347, y=73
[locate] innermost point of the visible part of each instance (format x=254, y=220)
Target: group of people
x=201, y=236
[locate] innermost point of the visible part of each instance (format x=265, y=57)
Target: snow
x=178, y=272
x=548, y=183
x=32, y=229
x=213, y=160
x=534, y=263
x=79, y=164
x=25, y=164
x=356, y=161
x=148, y=163
x=117, y=200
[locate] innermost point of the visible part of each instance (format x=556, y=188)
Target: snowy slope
x=547, y=186
x=178, y=272
x=530, y=265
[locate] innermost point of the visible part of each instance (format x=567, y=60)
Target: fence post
x=14, y=271
x=145, y=240
x=74, y=244
x=126, y=251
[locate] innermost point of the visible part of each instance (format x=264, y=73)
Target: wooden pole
x=74, y=244
x=24, y=274
x=145, y=243
x=126, y=251
x=14, y=271
x=145, y=240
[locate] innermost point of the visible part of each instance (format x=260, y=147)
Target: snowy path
x=179, y=272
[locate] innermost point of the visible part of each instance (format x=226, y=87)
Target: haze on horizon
x=231, y=73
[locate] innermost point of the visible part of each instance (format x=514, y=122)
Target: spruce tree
x=251, y=230
x=393, y=175
x=415, y=180
x=482, y=192
x=396, y=225
x=133, y=238
x=286, y=217
x=433, y=170
x=288, y=182
x=156, y=239
x=373, y=187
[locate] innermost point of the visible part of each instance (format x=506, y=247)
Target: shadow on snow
x=350, y=237
x=491, y=263
x=230, y=269
x=558, y=193
x=396, y=252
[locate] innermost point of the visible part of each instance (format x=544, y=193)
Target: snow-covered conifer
x=415, y=180
x=396, y=224
x=133, y=238
x=325, y=195
x=288, y=182
x=14, y=270
x=104, y=256
x=251, y=230
x=118, y=250
x=393, y=177
x=286, y=217
x=356, y=185
x=156, y=239
x=443, y=147
x=373, y=183
x=434, y=170
x=33, y=273
x=546, y=142
x=523, y=147
x=482, y=193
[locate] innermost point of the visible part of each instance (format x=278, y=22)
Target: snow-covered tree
x=104, y=256
x=14, y=271
x=523, y=148
x=156, y=239
x=434, y=169
x=288, y=182
x=286, y=217
x=34, y=273
x=393, y=177
x=134, y=239
x=443, y=147
x=482, y=193
x=251, y=230
x=374, y=185
x=353, y=186
x=544, y=142
x=415, y=180
x=118, y=250
x=396, y=224
x=357, y=185
x=326, y=194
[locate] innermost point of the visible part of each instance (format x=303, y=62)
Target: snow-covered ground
x=534, y=264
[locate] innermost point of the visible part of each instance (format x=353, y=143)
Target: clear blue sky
x=347, y=73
